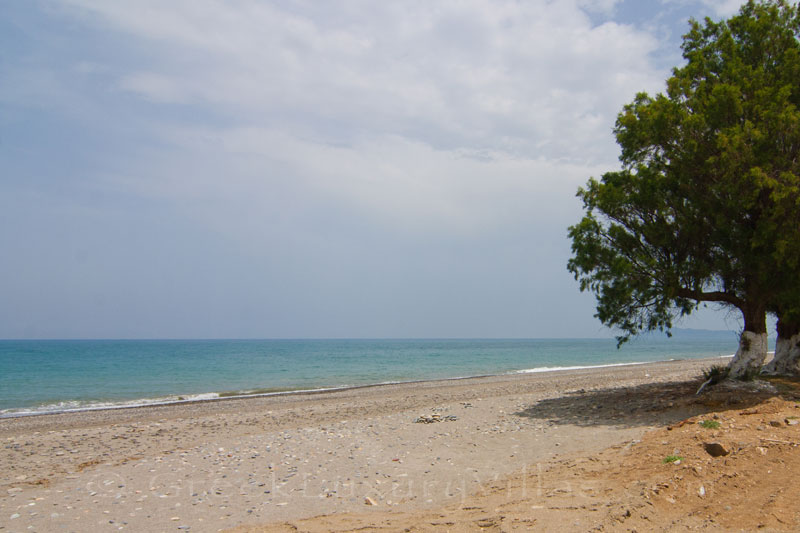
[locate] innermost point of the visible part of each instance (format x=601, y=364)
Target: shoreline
x=203, y=397
x=247, y=461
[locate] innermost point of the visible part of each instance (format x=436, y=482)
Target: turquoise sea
x=45, y=376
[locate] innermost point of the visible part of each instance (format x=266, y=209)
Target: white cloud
x=599, y=6
x=155, y=87
x=444, y=117
x=533, y=79
x=724, y=8
x=403, y=186
x=719, y=8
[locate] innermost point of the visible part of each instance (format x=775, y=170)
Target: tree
x=706, y=207
x=787, y=344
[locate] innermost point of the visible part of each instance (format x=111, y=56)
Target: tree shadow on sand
x=649, y=404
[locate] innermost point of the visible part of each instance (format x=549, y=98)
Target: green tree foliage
x=706, y=206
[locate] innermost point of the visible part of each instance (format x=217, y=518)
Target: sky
x=309, y=169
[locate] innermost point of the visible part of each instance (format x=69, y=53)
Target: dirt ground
x=666, y=481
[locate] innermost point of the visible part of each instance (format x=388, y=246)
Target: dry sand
x=211, y=466
x=629, y=487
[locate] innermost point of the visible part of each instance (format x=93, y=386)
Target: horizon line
x=610, y=337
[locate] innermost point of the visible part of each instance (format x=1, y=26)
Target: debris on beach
x=425, y=419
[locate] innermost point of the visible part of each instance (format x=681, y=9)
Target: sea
x=50, y=376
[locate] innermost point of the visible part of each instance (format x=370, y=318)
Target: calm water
x=47, y=376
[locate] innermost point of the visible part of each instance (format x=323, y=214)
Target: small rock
x=775, y=423
x=792, y=421
x=701, y=491
x=369, y=501
x=715, y=449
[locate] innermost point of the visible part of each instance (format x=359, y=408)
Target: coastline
x=97, y=374
x=237, y=461
x=239, y=395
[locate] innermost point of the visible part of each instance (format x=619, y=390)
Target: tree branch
x=714, y=296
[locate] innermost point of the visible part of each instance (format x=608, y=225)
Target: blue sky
x=201, y=168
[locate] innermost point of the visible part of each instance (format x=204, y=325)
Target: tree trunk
x=752, y=343
x=782, y=347
x=792, y=365
x=787, y=349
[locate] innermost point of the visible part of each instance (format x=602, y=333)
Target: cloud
x=724, y=8
x=404, y=186
x=532, y=79
x=448, y=117
x=339, y=167
x=605, y=7
x=718, y=8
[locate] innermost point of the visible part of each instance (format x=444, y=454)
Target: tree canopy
x=706, y=206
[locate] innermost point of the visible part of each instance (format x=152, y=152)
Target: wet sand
x=209, y=466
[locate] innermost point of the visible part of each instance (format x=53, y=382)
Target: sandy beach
x=407, y=449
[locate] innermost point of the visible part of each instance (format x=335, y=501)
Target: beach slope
x=388, y=454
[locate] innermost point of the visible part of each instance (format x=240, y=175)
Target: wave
x=72, y=406
x=582, y=367
x=76, y=406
